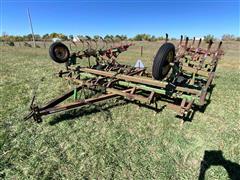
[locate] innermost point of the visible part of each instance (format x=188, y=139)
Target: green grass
x=113, y=140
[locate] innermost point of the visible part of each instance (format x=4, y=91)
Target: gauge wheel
x=59, y=52
x=162, y=60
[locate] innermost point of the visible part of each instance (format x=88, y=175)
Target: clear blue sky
x=192, y=18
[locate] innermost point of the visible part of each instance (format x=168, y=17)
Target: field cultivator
x=181, y=77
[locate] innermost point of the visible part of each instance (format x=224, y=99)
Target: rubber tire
x=161, y=59
x=53, y=55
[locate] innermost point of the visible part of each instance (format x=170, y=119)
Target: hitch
x=34, y=112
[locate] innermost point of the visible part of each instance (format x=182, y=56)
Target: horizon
x=192, y=19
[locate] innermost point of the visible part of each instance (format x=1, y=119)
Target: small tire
x=59, y=52
x=162, y=60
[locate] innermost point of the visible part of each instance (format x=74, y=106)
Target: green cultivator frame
x=181, y=77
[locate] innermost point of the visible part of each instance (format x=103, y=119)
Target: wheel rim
x=61, y=52
x=166, y=66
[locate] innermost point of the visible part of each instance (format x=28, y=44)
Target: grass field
x=116, y=139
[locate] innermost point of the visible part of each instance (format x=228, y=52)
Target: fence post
x=141, y=51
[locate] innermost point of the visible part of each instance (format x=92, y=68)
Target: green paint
x=75, y=95
x=156, y=90
x=147, y=88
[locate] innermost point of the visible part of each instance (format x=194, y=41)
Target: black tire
x=162, y=60
x=59, y=52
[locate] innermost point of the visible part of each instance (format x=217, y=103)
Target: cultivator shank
x=179, y=80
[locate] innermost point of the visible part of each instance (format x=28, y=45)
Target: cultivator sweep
x=181, y=77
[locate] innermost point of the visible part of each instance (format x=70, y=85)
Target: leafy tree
x=138, y=37
x=124, y=37
x=70, y=37
x=228, y=37
x=18, y=38
x=5, y=36
x=160, y=38
x=80, y=36
x=208, y=37
x=118, y=37
x=142, y=37
x=153, y=38
x=53, y=35
x=45, y=36
x=11, y=38
x=29, y=37
x=62, y=36
x=37, y=37
x=25, y=38
x=96, y=37
x=109, y=37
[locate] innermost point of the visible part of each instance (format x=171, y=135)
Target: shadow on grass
x=157, y=110
x=93, y=108
x=208, y=100
x=189, y=117
x=87, y=110
x=215, y=158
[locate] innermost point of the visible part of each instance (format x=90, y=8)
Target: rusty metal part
x=142, y=80
x=54, y=106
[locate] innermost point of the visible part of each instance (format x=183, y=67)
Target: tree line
x=48, y=37
x=139, y=37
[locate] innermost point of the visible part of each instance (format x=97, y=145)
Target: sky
x=183, y=17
